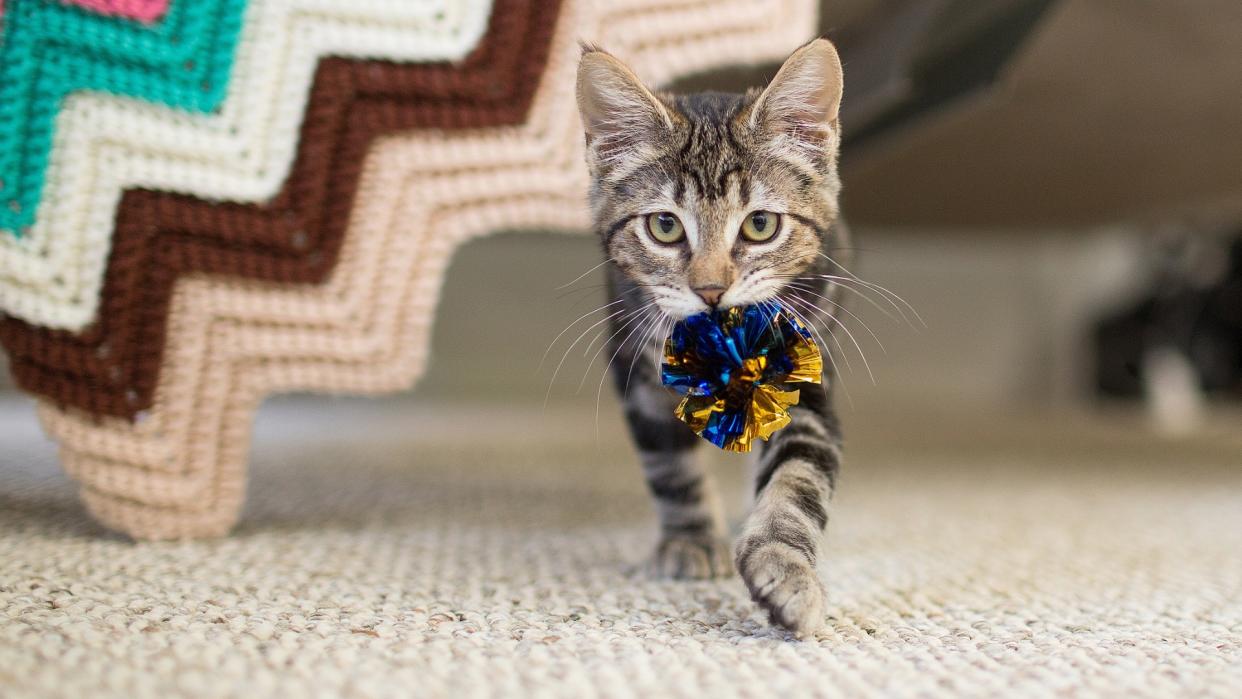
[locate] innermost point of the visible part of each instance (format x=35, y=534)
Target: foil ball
x=734, y=367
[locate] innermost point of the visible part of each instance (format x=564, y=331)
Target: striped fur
x=711, y=160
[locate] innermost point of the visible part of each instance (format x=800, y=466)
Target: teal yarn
x=49, y=50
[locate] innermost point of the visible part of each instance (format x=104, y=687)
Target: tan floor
x=383, y=555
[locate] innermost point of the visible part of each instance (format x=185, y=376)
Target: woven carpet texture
x=382, y=553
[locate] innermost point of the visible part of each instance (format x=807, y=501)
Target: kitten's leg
x=780, y=541
x=692, y=543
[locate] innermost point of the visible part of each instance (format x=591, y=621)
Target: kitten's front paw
x=690, y=557
x=782, y=582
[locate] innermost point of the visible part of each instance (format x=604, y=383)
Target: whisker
x=787, y=304
x=650, y=300
x=642, y=346
x=810, y=320
x=791, y=300
x=866, y=364
x=579, y=290
x=808, y=290
x=567, y=327
x=603, y=331
x=552, y=381
x=637, y=315
x=580, y=276
x=877, y=287
x=648, y=321
x=818, y=282
x=819, y=279
x=665, y=331
x=847, y=282
x=825, y=351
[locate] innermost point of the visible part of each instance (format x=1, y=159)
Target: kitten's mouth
x=682, y=311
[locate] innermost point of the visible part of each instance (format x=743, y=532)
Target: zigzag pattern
x=113, y=367
x=49, y=51
x=145, y=11
x=104, y=145
x=180, y=471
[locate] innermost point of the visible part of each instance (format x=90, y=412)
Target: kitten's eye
x=665, y=228
x=760, y=226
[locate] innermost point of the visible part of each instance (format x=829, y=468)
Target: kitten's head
x=713, y=200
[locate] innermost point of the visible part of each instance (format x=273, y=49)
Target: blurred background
x=1053, y=185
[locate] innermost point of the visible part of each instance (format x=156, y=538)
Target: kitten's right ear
x=618, y=112
x=804, y=98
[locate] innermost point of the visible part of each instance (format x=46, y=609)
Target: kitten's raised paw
x=782, y=582
x=690, y=558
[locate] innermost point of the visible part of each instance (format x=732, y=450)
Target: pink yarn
x=145, y=11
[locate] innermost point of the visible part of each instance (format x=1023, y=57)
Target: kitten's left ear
x=804, y=98
x=618, y=111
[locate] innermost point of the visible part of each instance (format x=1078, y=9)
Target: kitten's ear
x=804, y=98
x=618, y=112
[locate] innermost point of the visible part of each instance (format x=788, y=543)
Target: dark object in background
x=1194, y=311
x=915, y=56
x=906, y=58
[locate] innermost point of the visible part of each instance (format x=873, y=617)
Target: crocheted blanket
x=208, y=201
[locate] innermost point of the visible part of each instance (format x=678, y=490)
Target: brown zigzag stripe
x=112, y=368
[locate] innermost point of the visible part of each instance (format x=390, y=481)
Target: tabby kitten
x=712, y=201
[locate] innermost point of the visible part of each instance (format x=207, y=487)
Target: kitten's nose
x=710, y=294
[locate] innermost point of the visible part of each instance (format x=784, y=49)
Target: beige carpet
x=382, y=555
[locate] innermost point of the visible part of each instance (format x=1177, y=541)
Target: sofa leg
x=153, y=490
x=146, y=522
